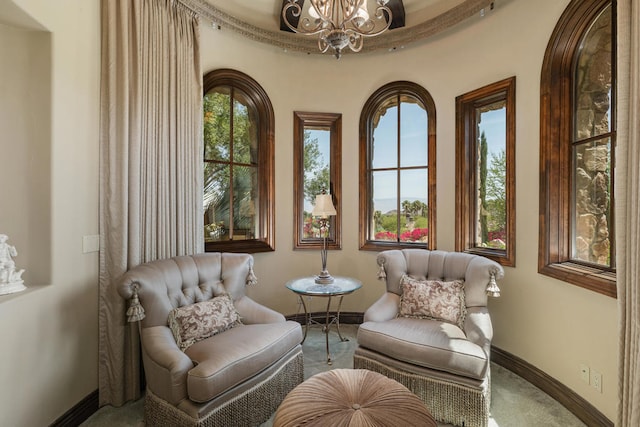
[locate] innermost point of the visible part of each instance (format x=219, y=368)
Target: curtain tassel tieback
x=492, y=287
x=382, y=274
x=135, y=311
x=251, y=278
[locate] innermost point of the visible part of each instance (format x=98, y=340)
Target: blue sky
x=494, y=125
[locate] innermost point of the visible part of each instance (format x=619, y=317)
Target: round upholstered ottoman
x=352, y=397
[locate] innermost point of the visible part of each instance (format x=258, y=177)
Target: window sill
x=385, y=246
x=498, y=256
x=593, y=279
x=239, y=246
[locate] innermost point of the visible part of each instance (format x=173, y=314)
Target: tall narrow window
x=238, y=164
x=485, y=172
x=317, y=167
x=592, y=147
x=577, y=143
x=397, y=168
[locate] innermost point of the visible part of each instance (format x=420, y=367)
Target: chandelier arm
x=309, y=29
x=371, y=33
x=356, y=41
x=324, y=9
x=367, y=28
x=350, y=9
x=296, y=11
x=380, y=14
x=323, y=45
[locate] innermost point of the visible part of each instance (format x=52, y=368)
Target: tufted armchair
x=444, y=362
x=239, y=375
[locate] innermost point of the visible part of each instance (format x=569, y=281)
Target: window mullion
x=231, y=133
x=398, y=184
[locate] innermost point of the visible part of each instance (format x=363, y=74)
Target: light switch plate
x=90, y=244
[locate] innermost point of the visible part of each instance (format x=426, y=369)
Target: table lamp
x=323, y=209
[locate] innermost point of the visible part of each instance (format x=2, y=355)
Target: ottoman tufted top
x=352, y=397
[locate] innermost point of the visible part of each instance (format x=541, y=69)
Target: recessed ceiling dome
x=259, y=20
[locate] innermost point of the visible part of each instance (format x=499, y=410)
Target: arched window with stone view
x=577, y=148
x=592, y=146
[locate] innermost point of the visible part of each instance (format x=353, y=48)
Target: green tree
x=419, y=208
x=407, y=208
x=219, y=177
x=377, y=215
x=497, y=191
x=316, y=172
x=482, y=188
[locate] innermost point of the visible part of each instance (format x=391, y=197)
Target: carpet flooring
x=514, y=401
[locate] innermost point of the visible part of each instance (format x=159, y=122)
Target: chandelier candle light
x=324, y=209
x=339, y=23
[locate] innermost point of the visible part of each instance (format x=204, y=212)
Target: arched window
x=577, y=147
x=238, y=164
x=397, y=168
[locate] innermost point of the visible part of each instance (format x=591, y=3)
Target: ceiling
x=259, y=20
x=266, y=13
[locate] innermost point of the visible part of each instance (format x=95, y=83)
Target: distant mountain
x=388, y=206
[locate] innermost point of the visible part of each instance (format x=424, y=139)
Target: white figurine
x=10, y=279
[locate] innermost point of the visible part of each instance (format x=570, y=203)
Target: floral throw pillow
x=433, y=299
x=195, y=322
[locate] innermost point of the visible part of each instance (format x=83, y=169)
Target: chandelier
x=338, y=23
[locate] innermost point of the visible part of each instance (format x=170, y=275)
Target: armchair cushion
x=240, y=353
x=433, y=299
x=195, y=322
x=431, y=344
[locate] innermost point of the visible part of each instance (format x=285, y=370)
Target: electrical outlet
x=596, y=380
x=584, y=373
x=90, y=244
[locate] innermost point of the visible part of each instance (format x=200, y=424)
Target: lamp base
x=324, y=278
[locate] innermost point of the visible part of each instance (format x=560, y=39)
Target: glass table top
x=308, y=286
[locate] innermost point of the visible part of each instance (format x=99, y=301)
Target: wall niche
x=25, y=141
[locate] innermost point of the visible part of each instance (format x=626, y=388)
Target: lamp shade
x=324, y=206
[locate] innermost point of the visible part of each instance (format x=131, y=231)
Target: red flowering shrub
x=414, y=235
x=497, y=235
x=386, y=235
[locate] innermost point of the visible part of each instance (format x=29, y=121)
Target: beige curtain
x=628, y=210
x=150, y=163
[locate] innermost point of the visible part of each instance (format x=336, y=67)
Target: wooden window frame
x=397, y=88
x=556, y=125
x=266, y=138
x=333, y=122
x=466, y=157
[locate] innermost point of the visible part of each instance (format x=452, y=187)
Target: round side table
x=307, y=286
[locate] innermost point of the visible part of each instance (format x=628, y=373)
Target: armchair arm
x=251, y=312
x=478, y=327
x=165, y=366
x=385, y=308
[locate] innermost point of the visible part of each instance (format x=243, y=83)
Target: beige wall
x=49, y=333
x=49, y=98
